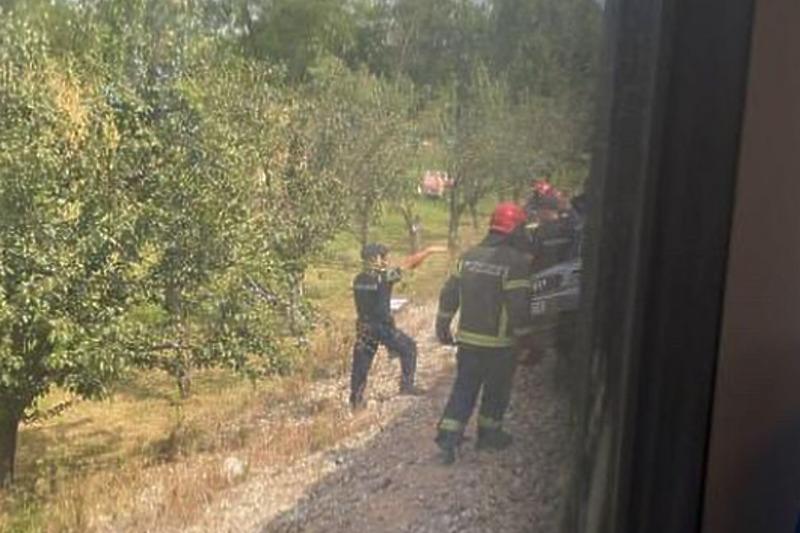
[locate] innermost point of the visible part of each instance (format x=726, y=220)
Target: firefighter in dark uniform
x=372, y=290
x=554, y=236
x=490, y=287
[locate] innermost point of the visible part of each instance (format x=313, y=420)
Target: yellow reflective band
x=483, y=341
x=489, y=423
x=517, y=284
x=449, y=424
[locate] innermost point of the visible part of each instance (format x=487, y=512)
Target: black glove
x=443, y=333
x=394, y=275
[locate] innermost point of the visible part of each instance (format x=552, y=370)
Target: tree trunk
x=455, y=217
x=184, y=377
x=413, y=227
x=296, y=321
x=182, y=365
x=416, y=235
x=473, y=213
x=364, y=227
x=10, y=417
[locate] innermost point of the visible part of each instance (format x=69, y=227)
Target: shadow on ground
x=45, y=451
x=395, y=482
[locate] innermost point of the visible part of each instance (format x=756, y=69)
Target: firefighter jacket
x=490, y=288
x=554, y=242
x=372, y=291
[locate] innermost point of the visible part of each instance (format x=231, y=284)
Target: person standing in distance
x=490, y=286
x=372, y=292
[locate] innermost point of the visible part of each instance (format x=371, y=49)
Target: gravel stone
x=388, y=478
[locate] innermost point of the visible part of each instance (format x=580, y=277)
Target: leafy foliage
x=66, y=228
x=170, y=170
x=369, y=137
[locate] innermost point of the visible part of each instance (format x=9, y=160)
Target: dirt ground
x=389, y=478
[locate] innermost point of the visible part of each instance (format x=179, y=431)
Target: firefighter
x=372, y=291
x=554, y=236
x=490, y=286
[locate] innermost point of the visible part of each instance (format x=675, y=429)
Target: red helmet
x=542, y=187
x=506, y=217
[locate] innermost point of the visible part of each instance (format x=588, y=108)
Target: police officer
x=372, y=290
x=491, y=287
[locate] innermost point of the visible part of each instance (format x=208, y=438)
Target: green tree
x=375, y=139
x=546, y=46
x=542, y=138
x=194, y=177
x=549, y=51
x=67, y=246
x=297, y=32
x=435, y=43
x=473, y=129
x=288, y=145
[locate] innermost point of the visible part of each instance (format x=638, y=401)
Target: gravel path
x=388, y=477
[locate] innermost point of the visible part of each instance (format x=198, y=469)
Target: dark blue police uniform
x=372, y=290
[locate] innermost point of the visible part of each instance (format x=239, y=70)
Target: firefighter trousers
x=368, y=338
x=490, y=370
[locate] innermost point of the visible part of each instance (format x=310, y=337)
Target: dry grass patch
x=145, y=461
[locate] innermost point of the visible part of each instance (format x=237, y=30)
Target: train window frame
x=661, y=196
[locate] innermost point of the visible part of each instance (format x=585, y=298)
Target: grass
x=147, y=457
x=328, y=282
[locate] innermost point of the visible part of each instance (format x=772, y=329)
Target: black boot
x=448, y=442
x=357, y=403
x=448, y=456
x=493, y=439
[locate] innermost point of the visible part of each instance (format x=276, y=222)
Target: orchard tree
x=375, y=139
x=191, y=172
x=542, y=138
x=192, y=218
x=297, y=33
x=547, y=47
x=435, y=43
x=473, y=128
x=379, y=167
x=549, y=52
x=67, y=246
x=288, y=149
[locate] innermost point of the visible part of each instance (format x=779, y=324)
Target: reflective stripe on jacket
x=490, y=287
x=372, y=292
